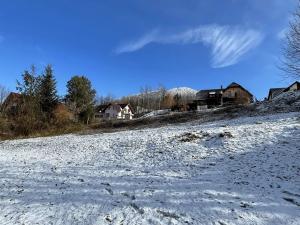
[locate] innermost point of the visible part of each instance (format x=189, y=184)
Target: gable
x=12, y=99
x=293, y=87
x=273, y=92
x=235, y=86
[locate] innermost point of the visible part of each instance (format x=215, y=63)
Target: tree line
x=39, y=106
x=156, y=99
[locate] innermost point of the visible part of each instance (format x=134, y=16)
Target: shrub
x=62, y=116
x=26, y=125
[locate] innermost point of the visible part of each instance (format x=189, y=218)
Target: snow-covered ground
x=156, y=113
x=242, y=171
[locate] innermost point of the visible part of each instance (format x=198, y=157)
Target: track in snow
x=242, y=171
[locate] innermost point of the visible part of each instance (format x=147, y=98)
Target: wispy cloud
x=282, y=34
x=228, y=44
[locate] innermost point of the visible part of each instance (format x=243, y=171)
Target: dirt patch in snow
x=205, y=136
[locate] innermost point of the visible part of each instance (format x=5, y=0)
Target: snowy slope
x=242, y=171
x=182, y=91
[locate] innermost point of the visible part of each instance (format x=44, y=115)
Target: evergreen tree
x=81, y=97
x=47, y=91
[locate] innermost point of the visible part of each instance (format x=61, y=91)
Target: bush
x=62, y=116
x=26, y=125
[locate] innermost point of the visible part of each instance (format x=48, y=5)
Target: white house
x=114, y=111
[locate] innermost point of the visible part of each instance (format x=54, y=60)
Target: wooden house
x=234, y=94
x=209, y=98
x=293, y=87
x=275, y=92
x=11, y=104
x=237, y=95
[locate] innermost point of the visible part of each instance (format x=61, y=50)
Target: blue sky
x=123, y=45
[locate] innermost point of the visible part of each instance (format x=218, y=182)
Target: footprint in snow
x=109, y=191
x=138, y=209
x=132, y=197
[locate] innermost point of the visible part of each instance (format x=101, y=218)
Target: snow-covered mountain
x=183, y=91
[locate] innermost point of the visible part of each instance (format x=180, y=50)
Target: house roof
x=297, y=82
x=101, y=108
x=236, y=85
x=277, y=91
x=273, y=92
x=124, y=105
x=12, y=97
x=233, y=84
x=203, y=94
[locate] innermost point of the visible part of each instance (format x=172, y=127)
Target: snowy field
x=242, y=171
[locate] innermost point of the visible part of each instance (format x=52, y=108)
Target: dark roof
x=236, y=85
x=275, y=92
x=122, y=105
x=203, y=94
x=12, y=99
x=101, y=108
x=233, y=84
x=297, y=82
x=14, y=95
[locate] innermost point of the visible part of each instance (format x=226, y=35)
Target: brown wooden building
x=234, y=94
x=237, y=95
x=274, y=92
x=11, y=103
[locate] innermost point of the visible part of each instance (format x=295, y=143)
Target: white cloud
x=228, y=44
x=137, y=45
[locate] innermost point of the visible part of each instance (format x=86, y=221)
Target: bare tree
x=103, y=100
x=291, y=48
x=3, y=94
x=162, y=92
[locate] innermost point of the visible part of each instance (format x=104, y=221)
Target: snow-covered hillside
x=183, y=91
x=242, y=171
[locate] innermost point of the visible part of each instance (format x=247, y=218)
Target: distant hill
x=182, y=91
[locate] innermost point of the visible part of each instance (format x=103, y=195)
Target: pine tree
x=47, y=92
x=81, y=97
